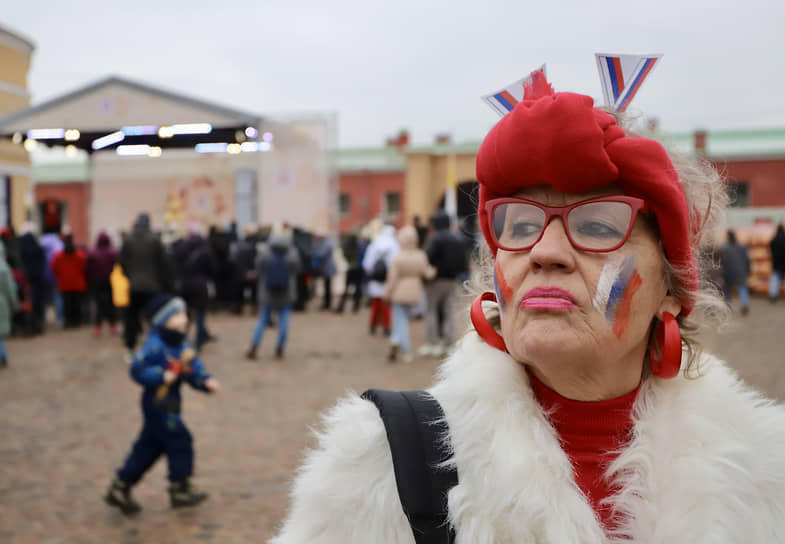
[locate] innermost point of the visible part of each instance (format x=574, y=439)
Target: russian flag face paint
x=503, y=290
x=619, y=281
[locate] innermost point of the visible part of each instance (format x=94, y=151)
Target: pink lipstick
x=547, y=298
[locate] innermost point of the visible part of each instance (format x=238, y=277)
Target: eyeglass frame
x=636, y=204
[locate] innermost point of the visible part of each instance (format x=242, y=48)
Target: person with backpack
x=376, y=262
x=277, y=267
x=580, y=407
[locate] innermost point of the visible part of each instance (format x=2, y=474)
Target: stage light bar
x=155, y=151
x=72, y=135
x=109, y=139
x=247, y=147
x=192, y=128
x=140, y=130
x=251, y=132
x=130, y=150
x=46, y=133
x=234, y=149
x=217, y=147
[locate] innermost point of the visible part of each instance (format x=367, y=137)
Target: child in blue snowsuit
x=161, y=366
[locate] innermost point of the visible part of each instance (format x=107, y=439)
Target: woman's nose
x=553, y=250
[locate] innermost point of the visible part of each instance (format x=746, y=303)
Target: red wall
x=77, y=196
x=366, y=192
x=766, y=179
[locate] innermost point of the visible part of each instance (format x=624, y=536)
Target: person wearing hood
x=52, y=244
x=376, y=262
x=147, y=267
x=447, y=253
x=34, y=265
x=8, y=303
x=277, y=267
x=404, y=288
x=68, y=267
x=100, y=263
x=777, y=247
x=161, y=366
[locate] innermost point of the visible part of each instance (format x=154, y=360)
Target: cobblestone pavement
x=69, y=414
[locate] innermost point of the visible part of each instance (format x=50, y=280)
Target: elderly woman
x=581, y=408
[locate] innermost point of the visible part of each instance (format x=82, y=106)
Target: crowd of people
x=272, y=270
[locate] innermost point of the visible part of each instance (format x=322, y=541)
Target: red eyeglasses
x=598, y=224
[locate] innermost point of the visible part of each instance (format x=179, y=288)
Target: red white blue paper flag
x=503, y=101
x=622, y=76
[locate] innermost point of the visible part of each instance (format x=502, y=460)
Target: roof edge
x=251, y=118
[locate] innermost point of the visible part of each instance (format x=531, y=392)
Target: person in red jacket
x=68, y=267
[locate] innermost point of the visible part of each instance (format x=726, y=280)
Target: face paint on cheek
x=619, y=281
x=625, y=306
x=503, y=290
x=626, y=270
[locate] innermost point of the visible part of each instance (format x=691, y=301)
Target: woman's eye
x=525, y=228
x=597, y=229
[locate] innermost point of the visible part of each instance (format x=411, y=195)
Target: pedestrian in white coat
x=580, y=406
x=376, y=262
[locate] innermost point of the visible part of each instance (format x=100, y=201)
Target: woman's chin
x=541, y=343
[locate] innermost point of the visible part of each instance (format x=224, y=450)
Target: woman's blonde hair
x=707, y=201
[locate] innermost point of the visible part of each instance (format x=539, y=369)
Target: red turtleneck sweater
x=591, y=434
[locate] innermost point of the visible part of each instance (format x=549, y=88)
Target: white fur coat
x=706, y=465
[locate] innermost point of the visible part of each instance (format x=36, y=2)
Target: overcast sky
x=418, y=64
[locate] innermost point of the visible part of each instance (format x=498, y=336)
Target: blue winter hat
x=162, y=307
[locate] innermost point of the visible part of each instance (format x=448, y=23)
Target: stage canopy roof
x=117, y=112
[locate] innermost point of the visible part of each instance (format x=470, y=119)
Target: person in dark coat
x=68, y=267
x=447, y=253
x=277, y=267
x=354, y=273
x=197, y=269
x=219, y=242
x=243, y=261
x=735, y=270
x=100, y=262
x=34, y=265
x=777, y=246
x=323, y=266
x=161, y=366
x=147, y=267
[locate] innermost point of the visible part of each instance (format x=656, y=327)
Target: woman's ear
x=669, y=304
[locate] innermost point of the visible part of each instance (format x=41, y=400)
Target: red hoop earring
x=481, y=325
x=668, y=336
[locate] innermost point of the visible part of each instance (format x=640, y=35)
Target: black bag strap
x=417, y=430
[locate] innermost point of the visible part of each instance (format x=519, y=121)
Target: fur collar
x=705, y=464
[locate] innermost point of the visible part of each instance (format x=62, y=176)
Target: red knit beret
x=562, y=140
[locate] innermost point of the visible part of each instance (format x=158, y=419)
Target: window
x=344, y=204
x=392, y=205
x=738, y=194
x=245, y=196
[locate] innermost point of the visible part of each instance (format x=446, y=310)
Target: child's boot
x=181, y=494
x=119, y=495
x=251, y=353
